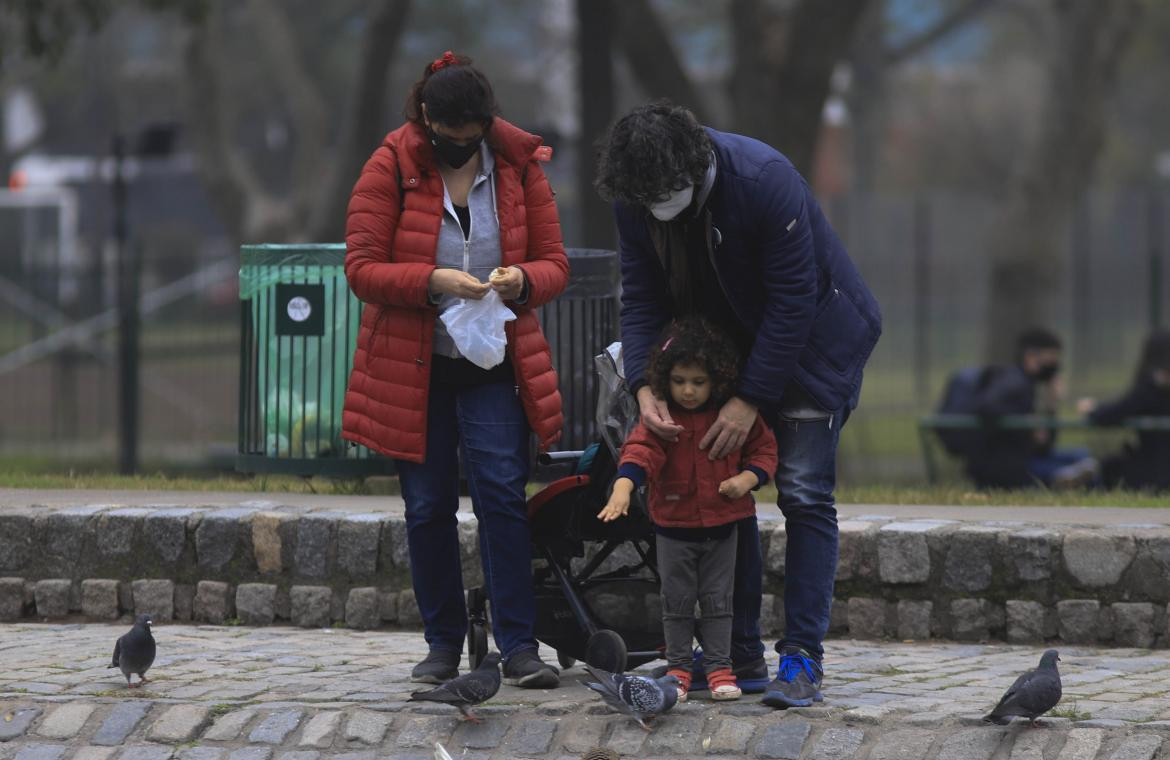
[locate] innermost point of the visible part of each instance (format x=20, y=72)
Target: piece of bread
x=497, y=273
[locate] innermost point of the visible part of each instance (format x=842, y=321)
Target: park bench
x=929, y=425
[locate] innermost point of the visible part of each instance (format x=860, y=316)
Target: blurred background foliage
x=990, y=164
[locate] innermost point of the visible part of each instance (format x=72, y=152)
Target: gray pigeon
x=1033, y=694
x=467, y=690
x=637, y=696
x=134, y=651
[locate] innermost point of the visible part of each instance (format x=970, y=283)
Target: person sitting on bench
x=1146, y=465
x=1018, y=458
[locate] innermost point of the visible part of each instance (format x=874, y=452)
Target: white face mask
x=674, y=204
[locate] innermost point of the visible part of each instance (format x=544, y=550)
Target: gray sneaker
x=797, y=682
x=439, y=666
x=527, y=670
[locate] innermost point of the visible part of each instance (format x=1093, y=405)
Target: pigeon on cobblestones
x=467, y=690
x=1033, y=694
x=134, y=651
x=637, y=696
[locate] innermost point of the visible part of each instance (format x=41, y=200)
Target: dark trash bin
x=579, y=325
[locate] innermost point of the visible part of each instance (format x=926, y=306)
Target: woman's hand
x=619, y=501
x=1086, y=405
x=456, y=282
x=738, y=485
x=656, y=415
x=730, y=429
x=508, y=282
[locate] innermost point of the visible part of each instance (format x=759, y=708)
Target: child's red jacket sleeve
x=646, y=452
x=759, y=451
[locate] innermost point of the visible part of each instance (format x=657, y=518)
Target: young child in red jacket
x=694, y=501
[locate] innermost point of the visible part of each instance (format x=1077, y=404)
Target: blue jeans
x=1044, y=468
x=486, y=424
x=805, y=478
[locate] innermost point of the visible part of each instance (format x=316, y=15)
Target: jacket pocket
x=840, y=335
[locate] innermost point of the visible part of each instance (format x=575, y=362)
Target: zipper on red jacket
x=422, y=334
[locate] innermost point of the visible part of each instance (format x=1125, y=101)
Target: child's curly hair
x=694, y=340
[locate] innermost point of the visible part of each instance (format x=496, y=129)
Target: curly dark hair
x=694, y=340
x=651, y=152
x=456, y=93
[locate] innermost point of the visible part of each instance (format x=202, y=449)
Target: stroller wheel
x=565, y=660
x=477, y=645
x=606, y=649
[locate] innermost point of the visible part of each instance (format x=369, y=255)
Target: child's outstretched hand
x=737, y=486
x=618, y=506
x=619, y=501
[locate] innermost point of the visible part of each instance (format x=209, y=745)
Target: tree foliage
x=43, y=29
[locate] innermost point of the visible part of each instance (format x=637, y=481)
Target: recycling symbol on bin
x=300, y=309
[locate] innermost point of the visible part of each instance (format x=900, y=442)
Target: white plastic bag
x=477, y=327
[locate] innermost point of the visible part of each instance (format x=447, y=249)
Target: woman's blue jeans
x=486, y=425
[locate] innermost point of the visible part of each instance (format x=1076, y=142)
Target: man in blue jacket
x=723, y=226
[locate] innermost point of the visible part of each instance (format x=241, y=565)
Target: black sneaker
x=527, y=670
x=798, y=680
x=439, y=666
x=752, y=676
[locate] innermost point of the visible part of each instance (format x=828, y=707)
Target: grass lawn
x=951, y=493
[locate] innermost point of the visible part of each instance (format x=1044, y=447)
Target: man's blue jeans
x=805, y=478
x=1044, y=468
x=486, y=424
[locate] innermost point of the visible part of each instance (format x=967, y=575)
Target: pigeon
x=637, y=696
x=467, y=690
x=134, y=651
x=1033, y=694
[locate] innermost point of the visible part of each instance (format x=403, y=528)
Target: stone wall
x=915, y=579
x=1007, y=581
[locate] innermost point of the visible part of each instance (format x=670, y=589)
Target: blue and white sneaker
x=798, y=680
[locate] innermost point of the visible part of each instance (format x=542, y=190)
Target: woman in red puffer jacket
x=454, y=204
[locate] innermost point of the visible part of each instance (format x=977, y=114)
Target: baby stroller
x=597, y=584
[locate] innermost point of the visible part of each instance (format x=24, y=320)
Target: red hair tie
x=448, y=59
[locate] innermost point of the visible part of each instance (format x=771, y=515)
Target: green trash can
x=299, y=324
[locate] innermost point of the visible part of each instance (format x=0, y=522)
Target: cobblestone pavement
x=233, y=693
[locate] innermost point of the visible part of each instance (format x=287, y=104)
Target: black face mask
x=452, y=153
x=1046, y=372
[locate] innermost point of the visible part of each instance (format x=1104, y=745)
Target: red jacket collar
x=510, y=144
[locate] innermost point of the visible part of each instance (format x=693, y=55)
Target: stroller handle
x=552, y=457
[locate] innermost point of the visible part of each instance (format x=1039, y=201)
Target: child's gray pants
x=702, y=571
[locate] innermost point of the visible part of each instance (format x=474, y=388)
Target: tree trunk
x=594, y=28
x=652, y=57
x=1087, y=43
x=365, y=119
x=867, y=97
x=210, y=128
x=818, y=37
x=750, y=26
x=313, y=205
